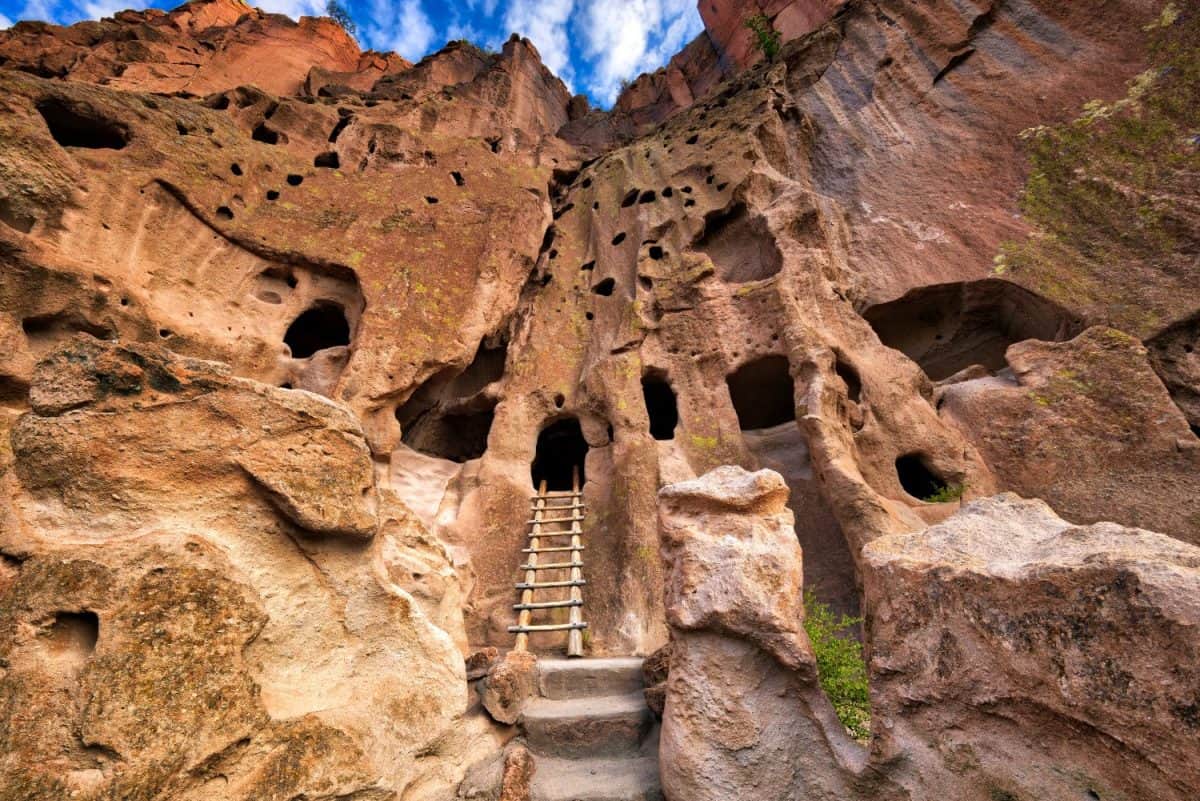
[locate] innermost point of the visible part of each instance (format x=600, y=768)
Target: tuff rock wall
x=829, y=259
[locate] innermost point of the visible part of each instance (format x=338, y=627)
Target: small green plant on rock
x=766, y=38
x=840, y=666
x=951, y=492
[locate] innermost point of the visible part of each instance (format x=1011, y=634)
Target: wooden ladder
x=551, y=509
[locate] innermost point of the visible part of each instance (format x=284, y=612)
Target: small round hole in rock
x=236, y=169
x=605, y=287
x=430, y=199
x=319, y=327
x=224, y=212
x=458, y=178
x=656, y=252
x=619, y=238
x=559, y=400
x=295, y=180
x=272, y=194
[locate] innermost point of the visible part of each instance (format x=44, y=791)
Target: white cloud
x=103, y=8
x=488, y=7
x=544, y=22
x=44, y=11
x=401, y=26
x=292, y=8
x=624, y=38
x=5, y=22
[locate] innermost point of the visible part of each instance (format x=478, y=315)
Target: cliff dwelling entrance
x=916, y=476
x=450, y=416
x=561, y=449
x=660, y=405
x=78, y=126
x=458, y=434
x=321, y=326
x=949, y=327
x=762, y=393
x=740, y=245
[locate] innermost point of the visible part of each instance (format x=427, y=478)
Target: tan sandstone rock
x=743, y=717
x=1016, y=655
x=194, y=607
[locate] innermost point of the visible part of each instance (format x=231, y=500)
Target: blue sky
x=590, y=44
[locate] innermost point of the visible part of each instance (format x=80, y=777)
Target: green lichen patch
x=1104, y=192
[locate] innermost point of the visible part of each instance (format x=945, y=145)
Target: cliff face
x=852, y=264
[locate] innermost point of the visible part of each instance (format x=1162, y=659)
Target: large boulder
x=744, y=717
x=1015, y=655
x=198, y=601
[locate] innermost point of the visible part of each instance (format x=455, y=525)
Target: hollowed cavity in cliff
x=560, y=456
x=78, y=125
x=948, y=327
x=740, y=245
x=763, y=393
x=450, y=416
x=319, y=327
x=661, y=406
x=918, y=477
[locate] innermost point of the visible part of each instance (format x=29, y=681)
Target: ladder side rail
x=575, y=633
x=523, y=617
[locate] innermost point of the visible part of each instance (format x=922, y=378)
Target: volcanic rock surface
x=292, y=329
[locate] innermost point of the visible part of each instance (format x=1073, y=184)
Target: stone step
x=581, y=678
x=602, y=726
x=632, y=779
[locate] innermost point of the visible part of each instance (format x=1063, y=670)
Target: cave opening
x=78, y=126
x=459, y=434
x=450, y=416
x=76, y=632
x=561, y=453
x=946, y=328
x=850, y=376
x=762, y=392
x=740, y=245
x=661, y=405
x=319, y=327
x=917, y=477
x=328, y=160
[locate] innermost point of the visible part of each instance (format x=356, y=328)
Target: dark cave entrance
x=661, y=405
x=459, y=435
x=762, y=393
x=76, y=125
x=917, y=478
x=317, y=328
x=450, y=416
x=561, y=450
x=948, y=327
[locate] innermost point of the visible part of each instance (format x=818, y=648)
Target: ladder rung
x=574, y=503
x=546, y=520
x=541, y=585
x=536, y=534
x=555, y=548
x=550, y=604
x=548, y=627
x=552, y=566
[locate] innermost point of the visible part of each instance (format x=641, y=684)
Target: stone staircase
x=591, y=732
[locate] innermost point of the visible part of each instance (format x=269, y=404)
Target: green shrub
x=341, y=15
x=840, y=665
x=766, y=38
x=951, y=492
